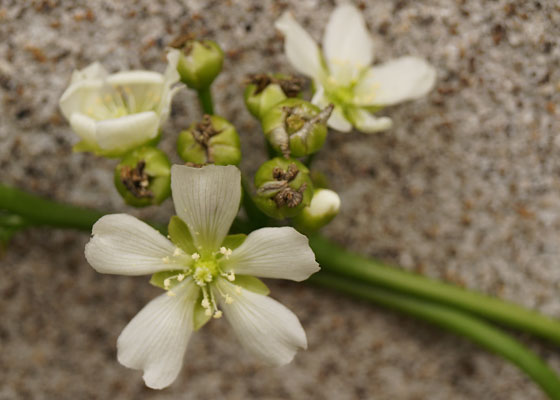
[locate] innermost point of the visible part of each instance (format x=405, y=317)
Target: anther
x=195, y=256
x=228, y=299
x=177, y=252
x=180, y=277
x=218, y=314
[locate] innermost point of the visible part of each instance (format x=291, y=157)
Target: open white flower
x=342, y=74
x=115, y=113
x=205, y=273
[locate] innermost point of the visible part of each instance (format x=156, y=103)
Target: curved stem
x=335, y=259
x=205, y=99
x=458, y=322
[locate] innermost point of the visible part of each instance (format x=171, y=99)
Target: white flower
x=203, y=275
x=115, y=113
x=342, y=74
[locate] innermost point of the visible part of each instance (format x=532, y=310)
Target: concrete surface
x=465, y=187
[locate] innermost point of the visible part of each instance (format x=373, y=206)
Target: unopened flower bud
x=295, y=127
x=324, y=206
x=200, y=61
x=143, y=177
x=212, y=141
x=284, y=188
x=263, y=91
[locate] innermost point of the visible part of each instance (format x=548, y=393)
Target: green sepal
x=199, y=315
x=234, y=241
x=158, y=278
x=252, y=284
x=180, y=235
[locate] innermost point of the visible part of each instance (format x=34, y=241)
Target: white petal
x=396, y=81
x=282, y=253
x=80, y=96
x=124, y=245
x=365, y=122
x=347, y=44
x=265, y=328
x=156, y=339
x=136, y=78
x=337, y=120
x=301, y=50
x=84, y=127
x=170, y=88
x=92, y=71
x=207, y=200
x=127, y=132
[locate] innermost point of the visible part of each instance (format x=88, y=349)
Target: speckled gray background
x=465, y=187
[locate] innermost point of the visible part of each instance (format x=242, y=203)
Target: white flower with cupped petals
x=342, y=74
x=115, y=113
x=205, y=273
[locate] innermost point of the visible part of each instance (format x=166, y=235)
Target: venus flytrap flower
x=342, y=74
x=115, y=113
x=205, y=273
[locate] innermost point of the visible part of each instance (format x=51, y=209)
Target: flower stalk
x=334, y=259
x=463, y=324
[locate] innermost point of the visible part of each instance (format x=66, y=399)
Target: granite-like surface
x=465, y=187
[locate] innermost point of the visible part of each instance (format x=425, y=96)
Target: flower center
x=204, y=272
x=119, y=101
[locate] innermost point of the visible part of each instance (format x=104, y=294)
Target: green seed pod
x=200, y=61
x=324, y=206
x=263, y=91
x=143, y=177
x=284, y=188
x=212, y=141
x=295, y=127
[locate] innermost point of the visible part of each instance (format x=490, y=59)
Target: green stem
x=478, y=331
x=39, y=211
x=335, y=259
x=205, y=99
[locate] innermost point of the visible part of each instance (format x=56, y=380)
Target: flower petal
x=127, y=132
x=405, y=78
x=80, y=96
x=124, y=245
x=84, y=127
x=337, y=120
x=93, y=71
x=282, y=253
x=300, y=48
x=155, y=340
x=365, y=122
x=265, y=328
x=207, y=200
x=347, y=44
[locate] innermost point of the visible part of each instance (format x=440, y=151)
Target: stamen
x=218, y=314
x=167, y=282
x=177, y=252
x=237, y=289
x=228, y=299
x=195, y=256
x=226, y=252
x=166, y=260
x=180, y=277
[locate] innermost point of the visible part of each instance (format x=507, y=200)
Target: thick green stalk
x=335, y=259
x=40, y=211
x=464, y=324
x=205, y=99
